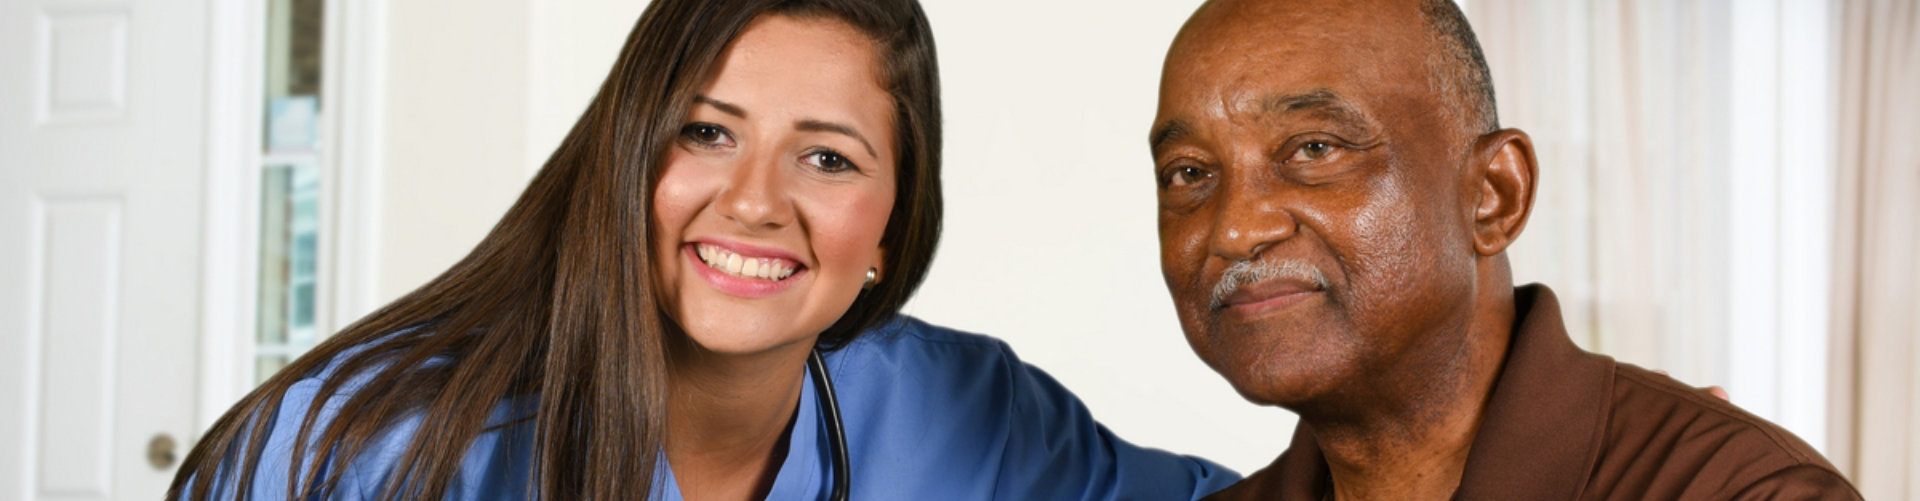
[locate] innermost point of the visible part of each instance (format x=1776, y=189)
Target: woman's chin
x=724, y=325
x=736, y=339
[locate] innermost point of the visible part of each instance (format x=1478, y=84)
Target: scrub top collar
x=802, y=475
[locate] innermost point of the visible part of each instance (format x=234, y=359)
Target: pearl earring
x=872, y=275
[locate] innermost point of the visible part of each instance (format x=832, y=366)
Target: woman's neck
x=727, y=419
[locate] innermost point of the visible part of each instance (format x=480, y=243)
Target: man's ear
x=1506, y=184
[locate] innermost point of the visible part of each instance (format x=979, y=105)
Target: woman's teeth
x=745, y=267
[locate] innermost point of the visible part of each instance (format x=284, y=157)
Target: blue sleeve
x=1055, y=450
x=363, y=478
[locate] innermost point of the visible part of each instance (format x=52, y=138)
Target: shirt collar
x=1542, y=429
x=801, y=473
x=1544, y=424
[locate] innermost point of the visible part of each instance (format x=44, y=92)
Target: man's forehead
x=1363, y=31
x=1242, y=54
x=1305, y=11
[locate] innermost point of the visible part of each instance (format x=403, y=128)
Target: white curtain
x=1686, y=205
x=1628, y=224
x=1730, y=190
x=1876, y=397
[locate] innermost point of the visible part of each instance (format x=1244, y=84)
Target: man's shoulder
x=1665, y=438
x=1647, y=404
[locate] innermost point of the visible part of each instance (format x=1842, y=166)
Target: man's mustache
x=1242, y=273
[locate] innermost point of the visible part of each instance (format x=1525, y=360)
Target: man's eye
x=1311, y=151
x=829, y=161
x=1184, y=176
x=707, y=135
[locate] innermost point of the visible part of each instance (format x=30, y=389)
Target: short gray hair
x=1457, y=69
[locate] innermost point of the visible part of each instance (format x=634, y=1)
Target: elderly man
x=1336, y=200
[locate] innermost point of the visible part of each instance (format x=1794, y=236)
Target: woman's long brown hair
x=556, y=304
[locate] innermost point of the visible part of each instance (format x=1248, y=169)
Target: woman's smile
x=743, y=270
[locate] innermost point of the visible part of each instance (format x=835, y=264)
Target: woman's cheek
x=862, y=221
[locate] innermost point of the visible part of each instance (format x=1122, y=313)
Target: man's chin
x=1293, y=397
x=1293, y=386
x=1287, y=376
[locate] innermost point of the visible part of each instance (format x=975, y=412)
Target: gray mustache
x=1249, y=272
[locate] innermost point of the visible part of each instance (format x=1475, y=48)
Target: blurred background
x=193, y=192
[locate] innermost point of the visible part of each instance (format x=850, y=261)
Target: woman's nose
x=755, y=196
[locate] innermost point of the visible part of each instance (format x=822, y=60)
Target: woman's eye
x=708, y=135
x=1184, y=176
x=1311, y=151
x=829, y=161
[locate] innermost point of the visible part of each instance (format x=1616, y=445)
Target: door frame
x=352, y=123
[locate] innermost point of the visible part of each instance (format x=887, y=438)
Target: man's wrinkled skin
x=1315, y=147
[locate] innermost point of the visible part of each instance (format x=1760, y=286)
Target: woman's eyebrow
x=813, y=125
x=723, y=106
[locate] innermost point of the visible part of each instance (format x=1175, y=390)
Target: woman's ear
x=1505, y=174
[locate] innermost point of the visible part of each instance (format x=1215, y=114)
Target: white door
x=102, y=152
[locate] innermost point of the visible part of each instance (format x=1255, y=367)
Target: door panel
x=102, y=134
x=74, y=320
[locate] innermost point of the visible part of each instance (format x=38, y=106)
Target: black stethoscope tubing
x=836, y=431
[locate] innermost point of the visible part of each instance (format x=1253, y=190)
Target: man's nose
x=755, y=196
x=1250, y=218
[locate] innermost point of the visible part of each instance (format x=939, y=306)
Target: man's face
x=1313, y=229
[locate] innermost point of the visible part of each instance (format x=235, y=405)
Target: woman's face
x=776, y=194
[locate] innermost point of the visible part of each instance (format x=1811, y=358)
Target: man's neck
x=1417, y=450
x=728, y=416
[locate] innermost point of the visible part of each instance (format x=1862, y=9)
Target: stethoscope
x=836, y=431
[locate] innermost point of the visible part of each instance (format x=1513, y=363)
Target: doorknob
x=160, y=452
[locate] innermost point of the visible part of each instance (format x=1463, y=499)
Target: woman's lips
x=741, y=270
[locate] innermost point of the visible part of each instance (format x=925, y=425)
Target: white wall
x=477, y=94
x=1050, y=240
x=573, y=44
x=1050, y=233
x=457, y=94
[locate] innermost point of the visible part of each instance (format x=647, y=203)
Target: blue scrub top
x=930, y=413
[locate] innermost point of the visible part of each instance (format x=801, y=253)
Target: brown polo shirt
x=1566, y=424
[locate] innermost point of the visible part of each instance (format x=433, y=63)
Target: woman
x=755, y=179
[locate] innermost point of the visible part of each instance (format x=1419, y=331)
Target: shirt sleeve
x=1802, y=482
x=1055, y=450
x=270, y=476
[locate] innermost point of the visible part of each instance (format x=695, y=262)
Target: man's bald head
x=1456, y=67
